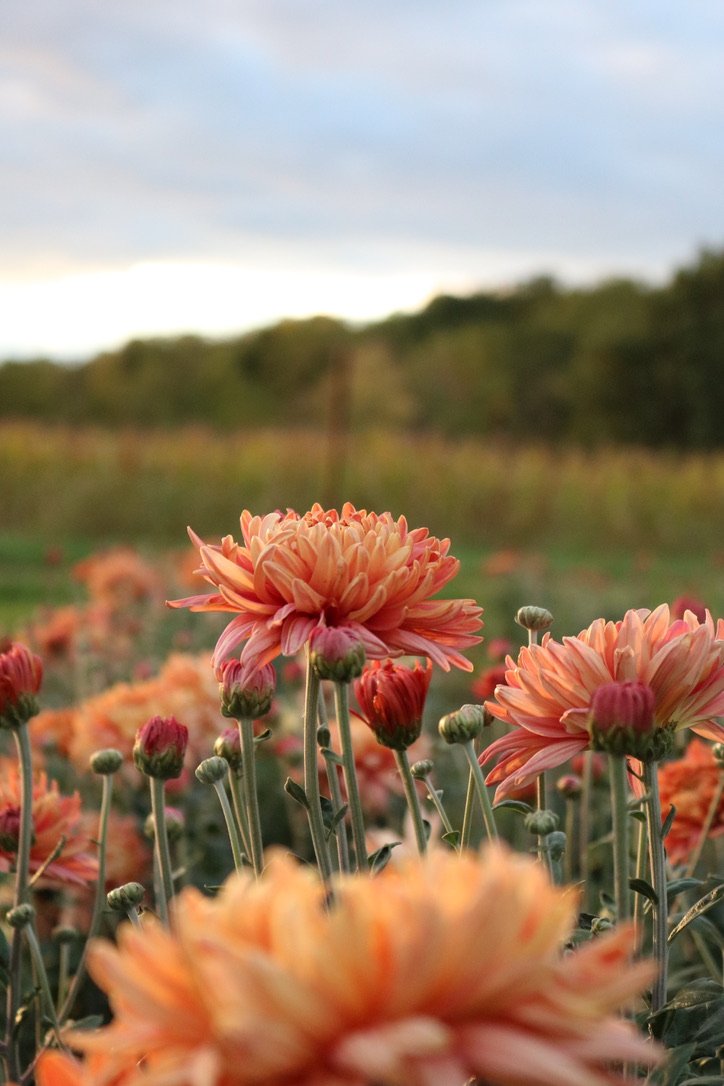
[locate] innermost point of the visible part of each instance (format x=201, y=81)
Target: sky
x=215, y=166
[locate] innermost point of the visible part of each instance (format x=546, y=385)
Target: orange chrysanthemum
x=425, y=975
x=690, y=783
x=548, y=693
x=57, y=820
x=365, y=571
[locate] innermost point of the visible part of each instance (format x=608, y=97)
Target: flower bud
x=622, y=722
x=10, y=828
x=65, y=934
x=392, y=699
x=463, y=725
x=570, y=786
x=718, y=752
x=534, y=618
x=541, y=823
x=556, y=844
x=336, y=652
x=245, y=697
x=106, y=762
x=228, y=746
x=21, y=916
x=21, y=673
x=422, y=769
x=160, y=747
x=212, y=770
x=175, y=824
x=128, y=896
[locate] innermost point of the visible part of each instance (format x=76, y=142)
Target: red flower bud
x=392, y=700
x=243, y=696
x=160, y=747
x=21, y=673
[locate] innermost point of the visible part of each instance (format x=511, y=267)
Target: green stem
x=311, y=776
x=335, y=793
x=584, y=825
x=570, y=825
x=341, y=701
x=619, y=810
x=641, y=849
x=22, y=872
x=99, y=899
x=237, y=798
x=657, y=861
x=162, y=852
x=231, y=827
x=413, y=800
x=251, y=795
x=434, y=797
x=37, y=956
x=467, y=826
x=479, y=784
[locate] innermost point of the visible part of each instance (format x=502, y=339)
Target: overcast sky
x=212, y=166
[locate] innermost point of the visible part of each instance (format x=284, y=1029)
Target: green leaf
x=638, y=815
x=641, y=886
x=452, y=837
x=262, y=736
x=688, y=1014
x=513, y=805
x=296, y=792
x=702, y=905
x=678, y=886
x=91, y=1021
x=380, y=859
x=668, y=822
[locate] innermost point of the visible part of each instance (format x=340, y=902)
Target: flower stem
x=467, y=825
x=251, y=795
x=37, y=956
x=413, y=800
x=641, y=847
x=434, y=797
x=237, y=798
x=584, y=825
x=619, y=809
x=341, y=701
x=657, y=861
x=22, y=744
x=231, y=827
x=161, y=848
x=98, y=900
x=311, y=776
x=335, y=793
x=479, y=784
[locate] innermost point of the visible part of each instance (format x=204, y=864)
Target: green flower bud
x=541, y=823
x=128, y=896
x=21, y=916
x=422, y=769
x=106, y=762
x=556, y=844
x=464, y=724
x=212, y=770
x=228, y=746
x=534, y=618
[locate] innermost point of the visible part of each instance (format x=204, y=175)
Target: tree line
x=619, y=362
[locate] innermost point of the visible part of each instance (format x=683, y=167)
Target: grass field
x=582, y=533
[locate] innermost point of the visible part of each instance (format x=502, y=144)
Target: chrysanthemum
x=61, y=845
x=362, y=570
x=428, y=974
x=548, y=694
x=690, y=783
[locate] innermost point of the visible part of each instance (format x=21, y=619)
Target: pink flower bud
x=21, y=673
x=622, y=722
x=336, y=653
x=392, y=700
x=244, y=696
x=160, y=747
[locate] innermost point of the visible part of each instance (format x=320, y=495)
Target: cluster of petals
x=62, y=847
x=690, y=784
x=432, y=972
x=548, y=693
x=366, y=571
x=21, y=675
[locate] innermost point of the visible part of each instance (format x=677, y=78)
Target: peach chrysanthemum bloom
x=362, y=570
x=119, y=578
x=56, y=818
x=430, y=973
x=689, y=783
x=548, y=693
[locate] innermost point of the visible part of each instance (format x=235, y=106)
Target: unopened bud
x=622, y=722
x=718, y=752
x=324, y=736
x=106, y=762
x=464, y=724
x=21, y=673
x=128, y=896
x=422, y=769
x=21, y=916
x=228, y=746
x=245, y=697
x=175, y=824
x=65, y=934
x=534, y=618
x=570, y=786
x=541, y=823
x=556, y=844
x=160, y=747
x=336, y=653
x=10, y=819
x=212, y=770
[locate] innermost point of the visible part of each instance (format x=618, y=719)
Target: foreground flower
x=61, y=845
x=690, y=784
x=392, y=700
x=262, y=985
x=21, y=673
x=549, y=693
x=367, y=572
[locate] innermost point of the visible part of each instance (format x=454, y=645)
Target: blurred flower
x=689, y=783
x=355, y=569
x=21, y=673
x=392, y=699
x=119, y=578
x=57, y=824
x=261, y=984
x=549, y=692
x=377, y=774
x=682, y=604
x=484, y=685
